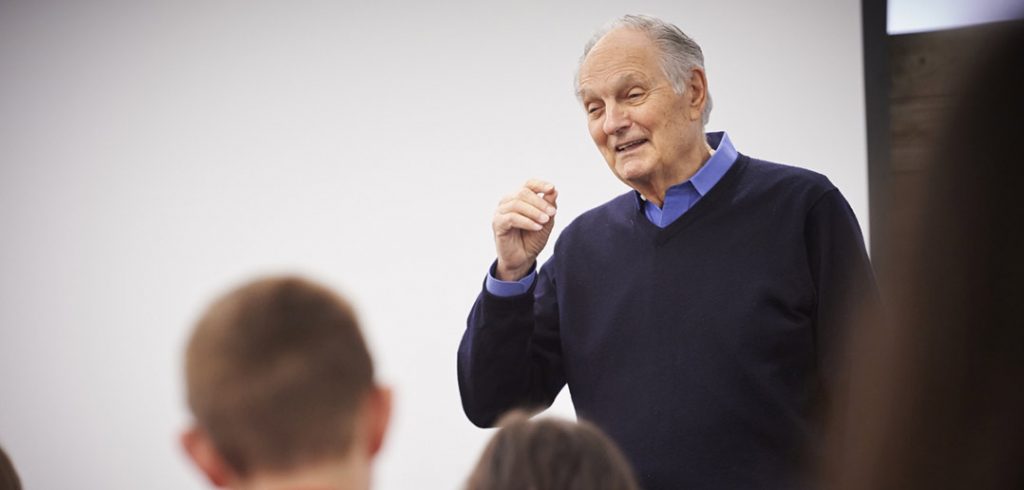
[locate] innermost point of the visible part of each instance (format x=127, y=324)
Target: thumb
x=552, y=197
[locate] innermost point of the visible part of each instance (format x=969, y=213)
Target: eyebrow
x=624, y=79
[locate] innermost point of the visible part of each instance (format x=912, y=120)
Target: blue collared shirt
x=678, y=200
x=681, y=197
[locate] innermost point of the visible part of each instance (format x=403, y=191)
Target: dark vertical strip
x=876, y=96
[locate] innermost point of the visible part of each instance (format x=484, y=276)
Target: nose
x=616, y=119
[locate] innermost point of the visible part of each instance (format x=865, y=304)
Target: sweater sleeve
x=510, y=355
x=843, y=278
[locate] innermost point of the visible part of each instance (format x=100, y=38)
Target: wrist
x=503, y=272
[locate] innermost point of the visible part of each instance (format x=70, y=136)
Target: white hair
x=680, y=54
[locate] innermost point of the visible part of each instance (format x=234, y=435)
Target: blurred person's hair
x=936, y=396
x=277, y=372
x=550, y=454
x=8, y=476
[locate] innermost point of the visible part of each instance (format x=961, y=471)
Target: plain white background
x=153, y=155
x=907, y=16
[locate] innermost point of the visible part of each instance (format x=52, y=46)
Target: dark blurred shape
x=8, y=476
x=936, y=393
x=550, y=454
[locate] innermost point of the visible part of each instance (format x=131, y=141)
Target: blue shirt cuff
x=506, y=289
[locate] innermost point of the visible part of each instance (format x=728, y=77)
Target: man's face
x=644, y=129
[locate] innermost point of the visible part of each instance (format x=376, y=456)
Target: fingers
x=529, y=208
x=503, y=222
x=539, y=186
x=526, y=210
x=551, y=197
x=531, y=198
x=545, y=190
x=540, y=199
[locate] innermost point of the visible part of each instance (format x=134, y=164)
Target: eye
x=635, y=94
x=593, y=108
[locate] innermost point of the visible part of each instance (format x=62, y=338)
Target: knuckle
x=502, y=223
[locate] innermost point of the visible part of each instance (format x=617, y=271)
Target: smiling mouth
x=630, y=145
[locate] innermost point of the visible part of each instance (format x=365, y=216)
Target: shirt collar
x=712, y=171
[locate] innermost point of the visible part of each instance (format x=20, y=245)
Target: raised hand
x=522, y=224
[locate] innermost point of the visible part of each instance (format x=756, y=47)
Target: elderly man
x=694, y=318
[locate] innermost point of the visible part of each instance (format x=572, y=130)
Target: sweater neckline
x=724, y=186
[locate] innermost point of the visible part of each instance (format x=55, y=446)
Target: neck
x=655, y=189
x=350, y=474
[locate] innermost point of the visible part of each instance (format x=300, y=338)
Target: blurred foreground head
x=936, y=399
x=550, y=454
x=281, y=386
x=8, y=476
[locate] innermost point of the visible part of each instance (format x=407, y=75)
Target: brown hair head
x=8, y=476
x=276, y=371
x=550, y=454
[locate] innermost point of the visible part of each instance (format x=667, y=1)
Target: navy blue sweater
x=702, y=348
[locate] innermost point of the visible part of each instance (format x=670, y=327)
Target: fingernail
x=551, y=211
x=544, y=218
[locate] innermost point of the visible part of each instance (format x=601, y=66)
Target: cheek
x=663, y=127
x=646, y=119
x=597, y=133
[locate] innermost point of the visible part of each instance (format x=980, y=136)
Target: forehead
x=623, y=55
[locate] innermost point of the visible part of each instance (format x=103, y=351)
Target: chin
x=633, y=170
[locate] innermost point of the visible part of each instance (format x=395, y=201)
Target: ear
x=200, y=449
x=698, y=94
x=378, y=417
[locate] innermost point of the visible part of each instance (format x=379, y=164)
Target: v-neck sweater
x=701, y=348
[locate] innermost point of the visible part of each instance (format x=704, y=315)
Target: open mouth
x=630, y=145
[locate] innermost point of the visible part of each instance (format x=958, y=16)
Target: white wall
x=906, y=16
x=154, y=154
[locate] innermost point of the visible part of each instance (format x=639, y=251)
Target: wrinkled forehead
x=595, y=87
x=619, y=58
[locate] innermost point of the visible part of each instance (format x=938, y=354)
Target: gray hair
x=680, y=54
